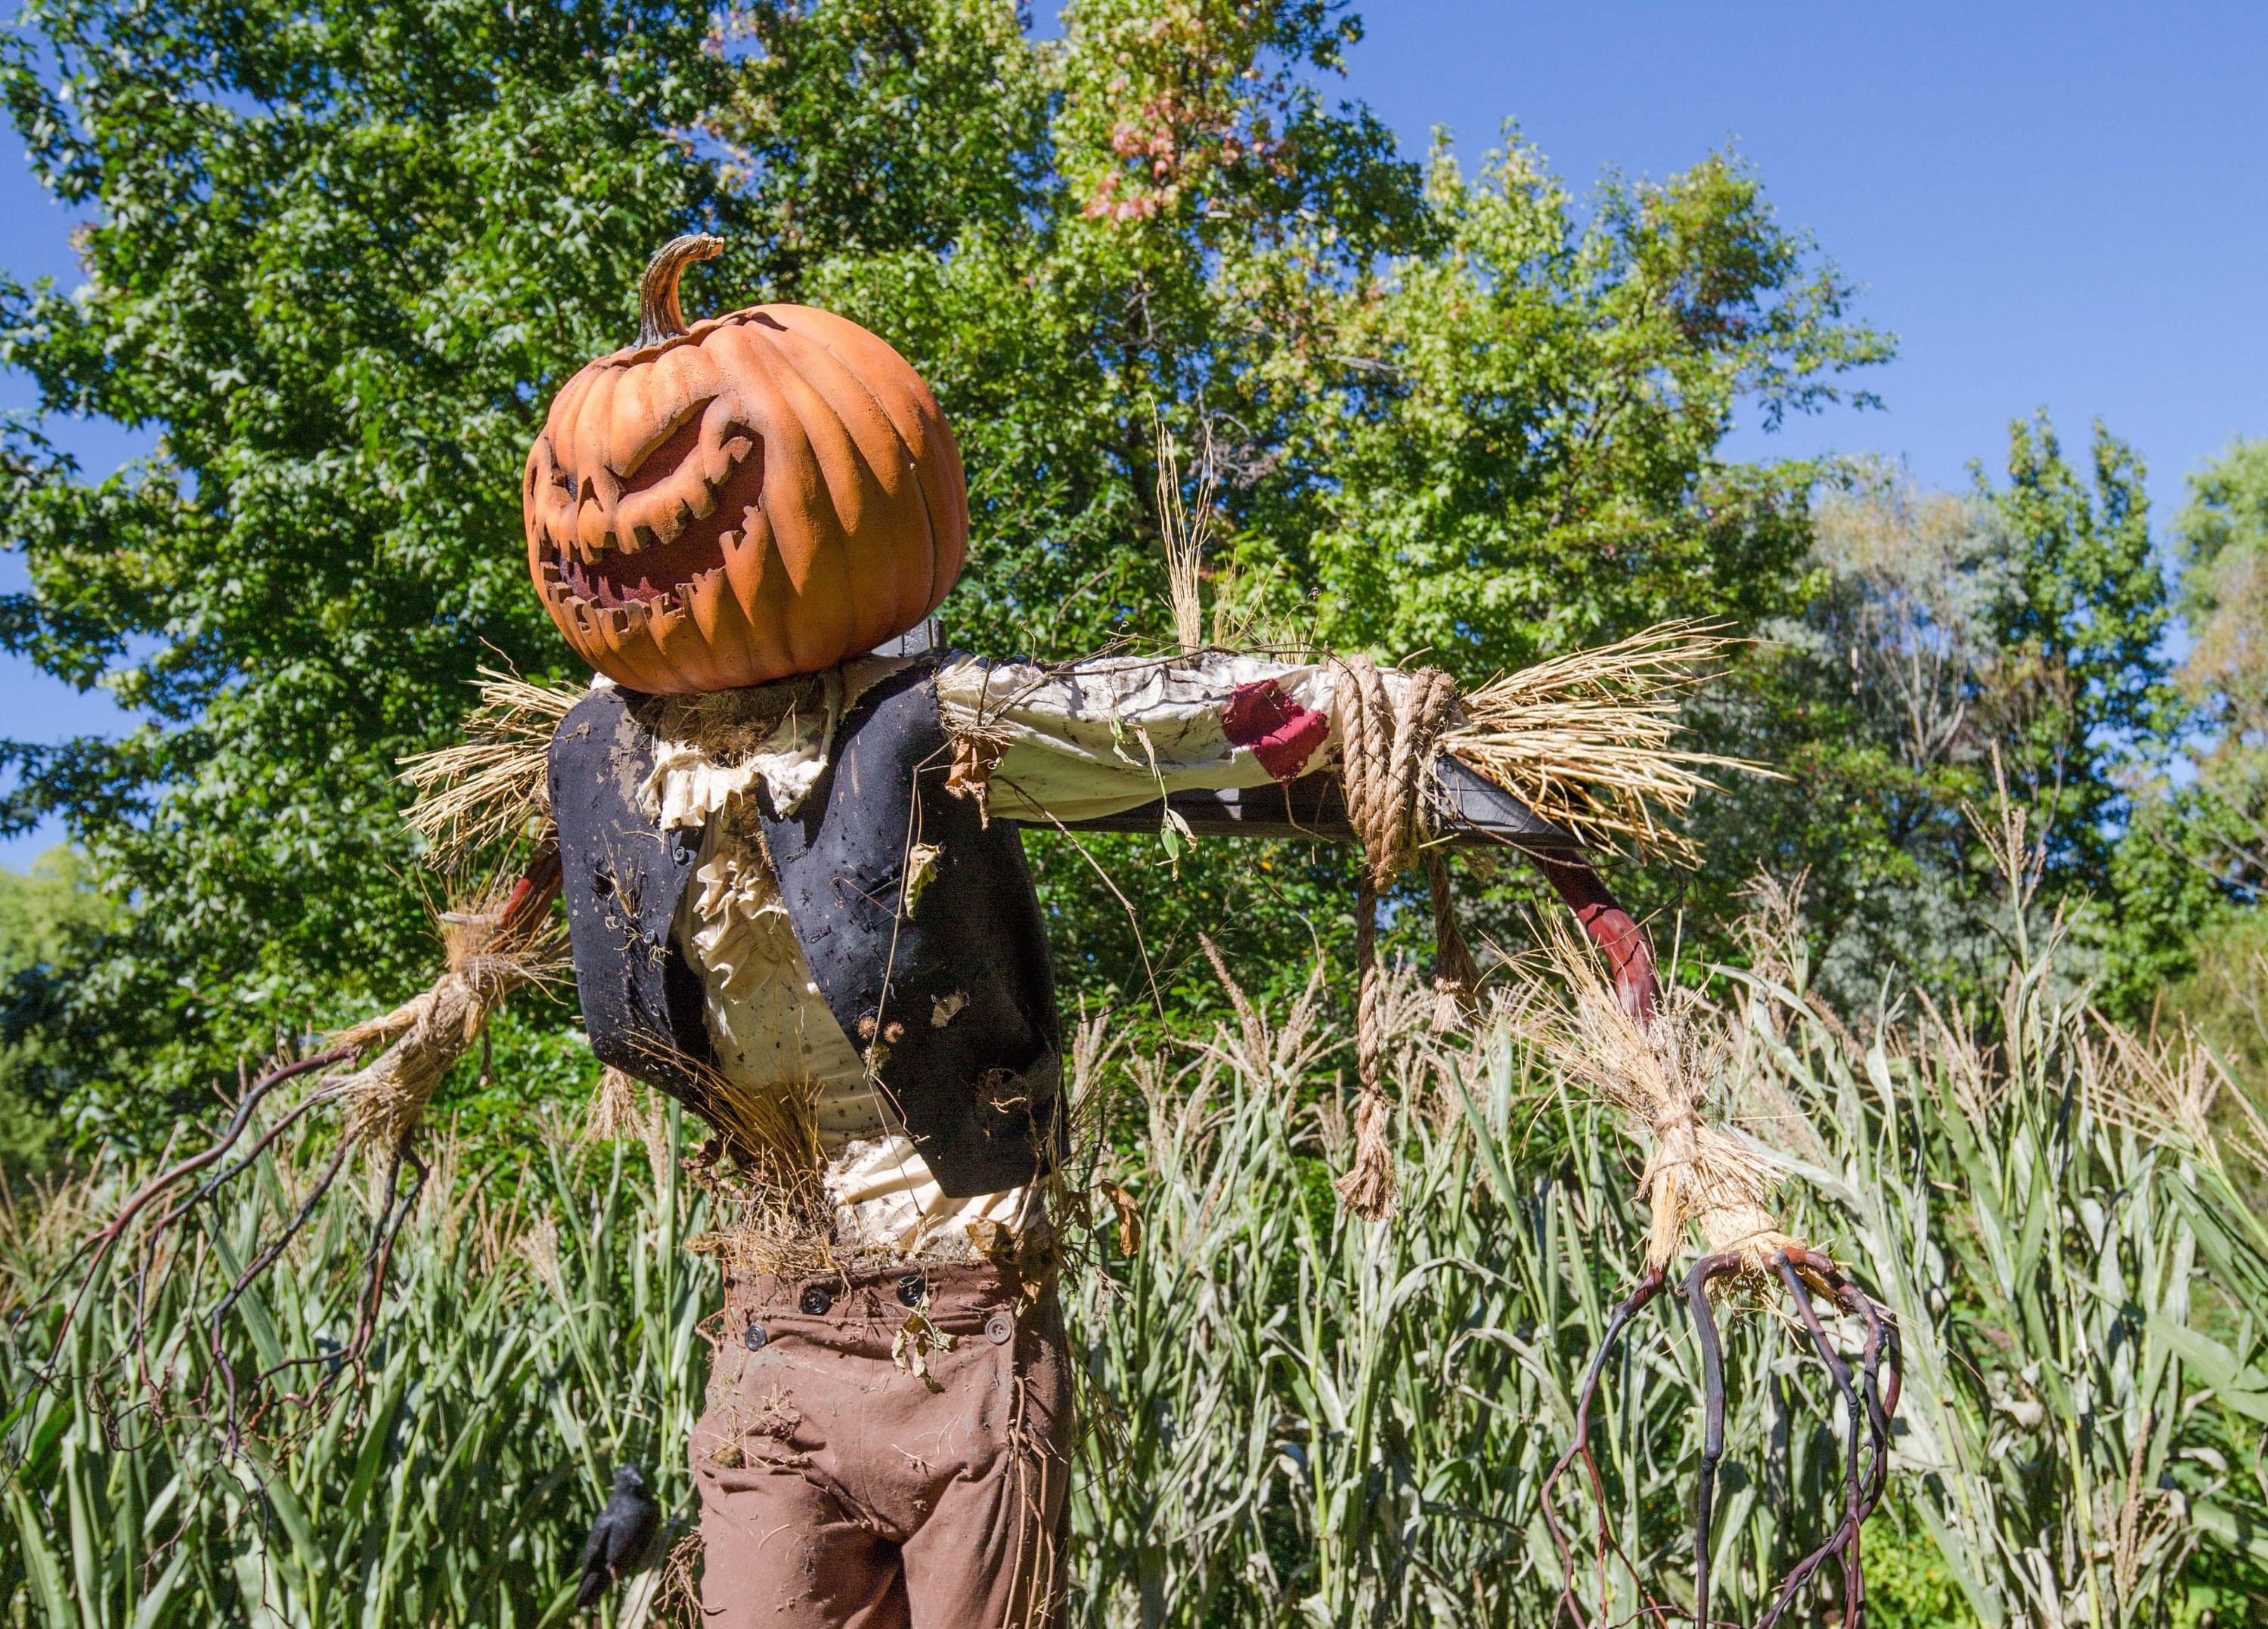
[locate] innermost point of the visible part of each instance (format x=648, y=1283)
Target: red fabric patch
x=1279, y=732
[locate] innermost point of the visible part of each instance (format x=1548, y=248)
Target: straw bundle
x=764, y=1168
x=614, y=1109
x=1585, y=738
x=1184, y=532
x=1659, y=1072
x=490, y=786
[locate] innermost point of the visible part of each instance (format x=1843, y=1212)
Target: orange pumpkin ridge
x=922, y=429
x=854, y=461
x=890, y=451
x=767, y=492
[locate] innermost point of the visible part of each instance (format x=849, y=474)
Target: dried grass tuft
x=676, y=1599
x=2174, y=1090
x=1585, y=739
x=539, y=1248
x=1184, y=532
x=1660, y=1073
x=488, y=787
x=613, y=1111
x=736, y=725
x=766, y=1169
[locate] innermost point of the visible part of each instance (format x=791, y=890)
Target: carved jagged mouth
x=675, y=527
x=673, y=571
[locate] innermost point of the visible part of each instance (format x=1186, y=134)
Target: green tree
x=1528, y=457
x=50, y=919
x=2082, y=680
x=1865, y=697
x=2205, y=842
x=2222, y=533
x=2020, y=625
x=2083, y=705
x=868, y=127
x=338, y=257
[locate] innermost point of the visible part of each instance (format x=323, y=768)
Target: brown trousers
x=840, y=1489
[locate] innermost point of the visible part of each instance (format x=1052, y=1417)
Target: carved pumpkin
x=768, y=493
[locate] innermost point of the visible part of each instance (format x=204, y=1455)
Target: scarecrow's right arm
x=1226, y=745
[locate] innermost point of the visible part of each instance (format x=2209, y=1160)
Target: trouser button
x=911, y=1289
x=754, y=1336
x=999, y=1329
x=816, y=1301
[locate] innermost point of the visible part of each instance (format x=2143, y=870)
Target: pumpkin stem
x=660, y=315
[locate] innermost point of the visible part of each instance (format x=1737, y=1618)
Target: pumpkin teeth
x=744, y=562
x=707, y=599
x=592, y=532
x=565, y=578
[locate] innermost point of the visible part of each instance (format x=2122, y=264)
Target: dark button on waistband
x=816, y=1301
x=911, y=1289
x=754, y=1336
x=999, y=1329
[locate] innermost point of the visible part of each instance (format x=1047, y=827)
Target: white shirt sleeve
x=1081, y=740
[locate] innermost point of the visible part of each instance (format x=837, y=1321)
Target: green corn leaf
x=2241, y=1386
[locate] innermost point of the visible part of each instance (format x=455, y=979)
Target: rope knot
x=1385, y=745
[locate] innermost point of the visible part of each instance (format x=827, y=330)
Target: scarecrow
x=785, y=827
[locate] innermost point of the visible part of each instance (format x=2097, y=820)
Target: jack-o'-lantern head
x=769, y=492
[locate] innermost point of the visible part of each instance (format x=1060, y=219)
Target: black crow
x=619, y=1537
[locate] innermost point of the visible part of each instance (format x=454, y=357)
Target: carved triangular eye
x=666, y=447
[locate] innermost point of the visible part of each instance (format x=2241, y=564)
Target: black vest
x=950, y=996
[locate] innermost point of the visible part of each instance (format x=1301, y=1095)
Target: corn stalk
x=529, y=1344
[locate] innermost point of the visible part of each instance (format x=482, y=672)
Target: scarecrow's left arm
x=1220, y=744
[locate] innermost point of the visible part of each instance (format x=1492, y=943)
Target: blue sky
x=2061, y=205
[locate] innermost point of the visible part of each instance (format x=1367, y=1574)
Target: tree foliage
x=1950, y=651
x=2223, y=534
x=2081, y=678
x=51, y=920
x=1530, y=457
x=339, y=256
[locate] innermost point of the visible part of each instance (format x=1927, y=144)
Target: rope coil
x=1385, y=746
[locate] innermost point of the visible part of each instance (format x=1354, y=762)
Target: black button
x=911, y=1289
x=754, y=1336
x=816, y=1301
